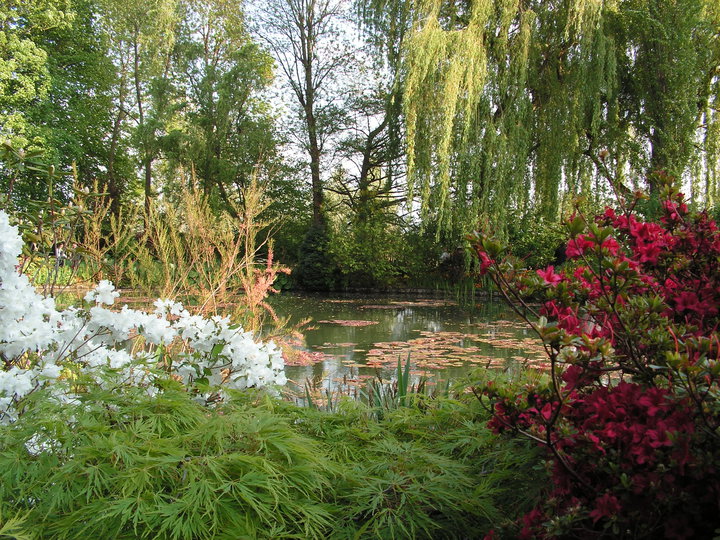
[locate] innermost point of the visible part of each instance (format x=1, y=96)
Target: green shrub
x=127, y=465
x=430, y=470
x=315, y=270
x=537, y=241
x=119, y=463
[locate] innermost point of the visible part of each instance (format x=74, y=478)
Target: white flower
x=16, y=382
x=32, y=329
x=104, y=293
x=167, y=306
x=51, y=371
x=156, y=330
x=10, y=244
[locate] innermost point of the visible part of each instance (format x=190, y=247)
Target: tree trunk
x=147, y=159
x=114, y=186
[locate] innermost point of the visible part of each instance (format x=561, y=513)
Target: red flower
x=530, y=522
x=687, y=301
x=577, y=246
x=546, y=412
x=634, y=413
x=549, y=275
x=485, y=262
x=611, y=246
x=605, y=506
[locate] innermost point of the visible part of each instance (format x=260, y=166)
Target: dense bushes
x=631, y=417
x=123, y=464
x=118, y=463
x=375, y=254
x=430, y=470
x=315, y=270
x=535, y=241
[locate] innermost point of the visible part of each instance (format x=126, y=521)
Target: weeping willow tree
x=514, y=106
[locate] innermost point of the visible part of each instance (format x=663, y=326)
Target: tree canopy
x=432, y=116
x=513, y=105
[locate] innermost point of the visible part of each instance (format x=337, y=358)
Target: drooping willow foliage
x=514, y=106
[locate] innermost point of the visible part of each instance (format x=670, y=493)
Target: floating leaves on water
x=491, y=345
x=341, y=322
x=422, y=302
x=295, y=356
x=441, y=350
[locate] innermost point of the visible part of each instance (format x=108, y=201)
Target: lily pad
x=341, y=322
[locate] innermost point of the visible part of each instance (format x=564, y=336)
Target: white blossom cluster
x=37, y=340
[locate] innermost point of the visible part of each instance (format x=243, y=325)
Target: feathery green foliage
x=127, y=465
x=430, y=471
x=510, y=105
x=119, y=463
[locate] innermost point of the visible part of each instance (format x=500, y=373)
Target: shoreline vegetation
x=126, y=423
x=208, y=156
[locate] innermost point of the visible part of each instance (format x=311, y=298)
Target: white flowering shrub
x=42, y=346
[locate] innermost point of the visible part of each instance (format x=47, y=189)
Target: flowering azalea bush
x=630, y=416
x=42, y=346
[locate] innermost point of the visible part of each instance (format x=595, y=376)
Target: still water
x=342, y=341
x=353, y=338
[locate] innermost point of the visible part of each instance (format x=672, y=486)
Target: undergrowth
x=121, y=464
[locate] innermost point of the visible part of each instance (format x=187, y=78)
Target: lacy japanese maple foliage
x=630, y=418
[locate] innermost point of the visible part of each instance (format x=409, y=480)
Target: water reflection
x=359, y=337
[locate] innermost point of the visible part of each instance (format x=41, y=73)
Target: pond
x=349, y=339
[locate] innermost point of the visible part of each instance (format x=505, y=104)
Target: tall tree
x=76, y=114
x=141, y=35
x=226, y=130
x=511, y=103
x=54, y=81
x=24, y=75
x=305, y=39
x=371, y=146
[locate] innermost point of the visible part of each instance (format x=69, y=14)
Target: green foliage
x=14, y=528
x=24, y=76
x=509, y=106
x=368, y=254
x=116, y=87
x=537, y=242
x=120, y=463
x=375, y=248
x=223, y=132
x=398, y=393
x=55, y=80
x=429, y=470
x=75, y=117
x=128, y=465
x=315, y=270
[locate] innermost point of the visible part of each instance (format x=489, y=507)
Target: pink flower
x=549, y=275
x=485, y=262
x=611, y=245
x=577, y=246
x=687, y=300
